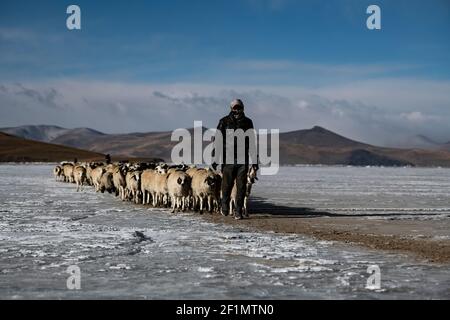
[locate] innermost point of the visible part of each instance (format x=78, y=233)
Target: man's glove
x=214, y=166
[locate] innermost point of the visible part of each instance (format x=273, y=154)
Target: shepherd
x=233, y=167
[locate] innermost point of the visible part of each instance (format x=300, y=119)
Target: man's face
x=237, y=111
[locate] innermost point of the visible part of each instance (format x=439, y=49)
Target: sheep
x=192, y=170
x=178, y=167
x=89, y=167
x=160, y=186
x=251, y=178
x=178, y=186
x=191, y=200
x=111, y=167
x=120, y=182
x=68, y=172
x=79, y=173
x=106, y=183
x=133, y=188
x=96, y=175
x=204, y=187
x=58, y=173
x=162, y=168
x=147, y=186
x=141, y=166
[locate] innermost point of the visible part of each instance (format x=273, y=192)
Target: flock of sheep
x=158, y=184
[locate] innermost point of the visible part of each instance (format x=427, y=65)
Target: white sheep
x=58, y=173
x=147, y=186
x=96, y=175
x=204, y=187
x=79, y=174
x=89, y=167
x=178, y=186
x=133, y=188
x=119, y=181
x=160, y=187
x=68, y=172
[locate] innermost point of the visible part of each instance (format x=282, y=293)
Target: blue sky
x=311, y=57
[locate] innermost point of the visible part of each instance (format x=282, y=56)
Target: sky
x=138, y=66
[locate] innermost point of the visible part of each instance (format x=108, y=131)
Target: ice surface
x=393, y=193
x=46, y=226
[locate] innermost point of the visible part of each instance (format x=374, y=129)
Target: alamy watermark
x=373, y=22
x=374, y=280
x=73, y=282
x=235, y=147
x=73, y=21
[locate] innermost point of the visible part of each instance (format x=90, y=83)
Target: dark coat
x=229, y=122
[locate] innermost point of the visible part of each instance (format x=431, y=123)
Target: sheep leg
x=201, y=205
x=210, y=208
x=136, y=200
x=244, y=209
x=173, y=204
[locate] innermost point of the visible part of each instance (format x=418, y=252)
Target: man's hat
x=236, y=103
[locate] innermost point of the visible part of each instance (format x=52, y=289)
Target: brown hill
x=319, y=137
x=15, y=149
x=311, y=146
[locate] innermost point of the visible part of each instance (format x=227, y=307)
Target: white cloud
x=380, y=112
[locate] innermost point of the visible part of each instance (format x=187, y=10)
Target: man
x=236, y=170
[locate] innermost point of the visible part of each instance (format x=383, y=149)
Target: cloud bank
x=384, y=112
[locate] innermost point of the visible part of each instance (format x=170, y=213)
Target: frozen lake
x=400, y=193
x=46, y=226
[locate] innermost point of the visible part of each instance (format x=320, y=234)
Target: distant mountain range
x=310, y=146
x=423, y=142
x=51, y=134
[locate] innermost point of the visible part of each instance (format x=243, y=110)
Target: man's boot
x=238, y=215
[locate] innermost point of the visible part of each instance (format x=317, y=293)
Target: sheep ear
x=179, y=181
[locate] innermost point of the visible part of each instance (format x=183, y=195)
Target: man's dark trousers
x=232, y=172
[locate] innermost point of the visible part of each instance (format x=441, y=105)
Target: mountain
x=420, y=141
x=318, y=137
x=39, y=133
x=424, y=142
x=309, y=146
x=15, y=149
x=72, y=137
x=53, y=134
